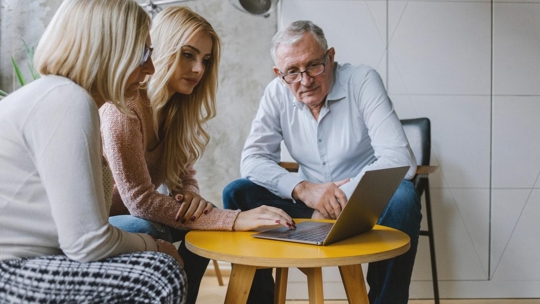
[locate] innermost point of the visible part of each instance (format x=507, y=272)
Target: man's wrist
x=297, y=190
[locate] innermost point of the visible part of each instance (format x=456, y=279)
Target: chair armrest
x=426, y=169
x=289, y=166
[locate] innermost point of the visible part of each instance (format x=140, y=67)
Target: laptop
x=360, y=214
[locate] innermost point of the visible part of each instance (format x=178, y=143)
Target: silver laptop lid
x=367, y=203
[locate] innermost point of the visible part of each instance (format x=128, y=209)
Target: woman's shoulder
x=135, y=106
x=55, y=88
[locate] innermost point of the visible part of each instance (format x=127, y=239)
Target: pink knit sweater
x=137, y=173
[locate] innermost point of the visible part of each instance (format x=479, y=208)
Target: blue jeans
x=388, y=280
x=194, y=265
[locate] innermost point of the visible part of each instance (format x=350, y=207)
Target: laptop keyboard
x=318, y=233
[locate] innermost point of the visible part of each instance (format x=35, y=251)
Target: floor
x=211, y=293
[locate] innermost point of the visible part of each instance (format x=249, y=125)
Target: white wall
x=473, y=68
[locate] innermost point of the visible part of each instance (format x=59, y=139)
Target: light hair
x=293, y=32
x=185, y=115
x=95, y=43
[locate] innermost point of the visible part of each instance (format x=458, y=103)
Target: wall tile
x=516, y=49
x=461, y=233
x=519, y=256
x=363, y=22
x=506, y=209
x=439, y=47
x=516, y=143
x=460, y=136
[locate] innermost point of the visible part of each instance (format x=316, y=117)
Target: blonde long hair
x=95, y=43
x=185, y=138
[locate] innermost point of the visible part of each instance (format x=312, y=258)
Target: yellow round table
x=247, y=253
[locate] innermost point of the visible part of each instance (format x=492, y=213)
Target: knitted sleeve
x=123, y=141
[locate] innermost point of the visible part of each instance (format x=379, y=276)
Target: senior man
x=336, y=121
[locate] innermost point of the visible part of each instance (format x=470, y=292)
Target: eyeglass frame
x=147, y=54
x=306, y=70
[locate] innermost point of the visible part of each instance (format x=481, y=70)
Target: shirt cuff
x=287, y=183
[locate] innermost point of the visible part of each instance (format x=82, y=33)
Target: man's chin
x=311, y=100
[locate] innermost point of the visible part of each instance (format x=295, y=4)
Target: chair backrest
x=418, y=132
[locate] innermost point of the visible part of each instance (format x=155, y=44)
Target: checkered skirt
x=142, y=277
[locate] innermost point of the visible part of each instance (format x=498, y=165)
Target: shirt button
x=324, y=163
x=320, y=140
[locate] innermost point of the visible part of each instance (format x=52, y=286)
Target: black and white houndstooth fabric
x=142, y=277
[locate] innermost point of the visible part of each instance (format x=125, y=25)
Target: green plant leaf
x=18, y=72
x=3, y=94
x=30, y=54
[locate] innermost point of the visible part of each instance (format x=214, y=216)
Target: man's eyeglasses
x=312, y=71
x=146, y=54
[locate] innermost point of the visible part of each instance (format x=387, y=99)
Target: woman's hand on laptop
x=262, y=216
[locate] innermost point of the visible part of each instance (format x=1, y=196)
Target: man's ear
x=278, y=74
x=276, y=71
x=331, y=54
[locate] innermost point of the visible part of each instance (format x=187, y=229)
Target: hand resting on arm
x=192, y=206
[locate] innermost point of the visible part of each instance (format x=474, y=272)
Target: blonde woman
x=162, y=139
x=56, y=245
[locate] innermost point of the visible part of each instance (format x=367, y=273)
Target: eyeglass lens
x=146, y=55
x=313, y=71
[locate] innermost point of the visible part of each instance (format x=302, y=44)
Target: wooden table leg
x=218, y=273
x=281, y=285
x=239, y=284
x=355, y=286
x=315, y=285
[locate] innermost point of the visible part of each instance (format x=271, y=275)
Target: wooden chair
x=418, y=132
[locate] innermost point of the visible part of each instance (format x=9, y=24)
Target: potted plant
x=18, y=72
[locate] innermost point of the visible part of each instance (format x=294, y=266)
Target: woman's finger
x=208, y=208
x=181, y=212
x=198, y=209
x=192, y=203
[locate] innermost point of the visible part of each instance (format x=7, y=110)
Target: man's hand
x=327, y=199
x=192, y=206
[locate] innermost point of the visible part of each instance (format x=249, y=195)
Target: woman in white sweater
x=56, y=245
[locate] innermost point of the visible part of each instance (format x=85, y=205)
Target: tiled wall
x=473, y=68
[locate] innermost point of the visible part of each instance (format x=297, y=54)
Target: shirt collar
x=337, y=91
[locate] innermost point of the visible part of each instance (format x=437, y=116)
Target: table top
x=237, y=247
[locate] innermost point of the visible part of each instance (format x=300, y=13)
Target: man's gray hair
x=290, y=34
